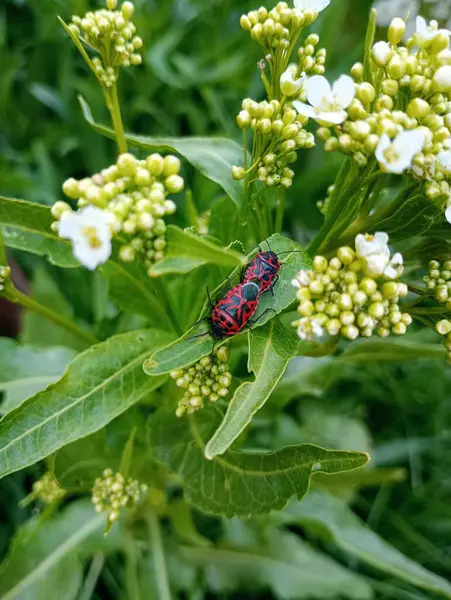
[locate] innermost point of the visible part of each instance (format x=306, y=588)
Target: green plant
x=212, y=495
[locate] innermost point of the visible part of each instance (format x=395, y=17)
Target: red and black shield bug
x=233, y=311
x=264, y=269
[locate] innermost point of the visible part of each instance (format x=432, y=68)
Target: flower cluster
x=354, y=293
x=128, y=198
x=112, y=34
x=280, y=133
x=438, y=281
x=113, y=491
x=276, y=127
x=5, y=274
x=402, y=115
x=208, y=379
x=47, y=489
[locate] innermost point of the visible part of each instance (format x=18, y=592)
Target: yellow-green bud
x=443, y=327
x=320, y=264
x=418, y=108
x=440, y=42
x=174, y=184
x=127, y=164
x=357, y=71
x=71, y=188
x=245, y=23
x=127, y=10
x=244, y=119
x=346, y=255
x=441, y=80
x=350, y=332
x=264, y=126
x=366, y=92
x=142, y=177
x=390, y=87
x=396, y=68
x=396, y=31
x=381, y=54
x=238, y=173
x=171, y=165
x=59, y=208
x=155, y=163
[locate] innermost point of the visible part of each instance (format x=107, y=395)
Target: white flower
x=374, y=250
x=290, y=86
x=318, y=5
x=308, y=328
x=90, y=234
x=425, y=34
x=396, y=156
x=327, y=104
x=381, y=53
x=302, y=280
x=442, y=79
x=444, y=158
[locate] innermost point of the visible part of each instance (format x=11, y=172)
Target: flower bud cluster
x=47, y=489
x=438, y=281
x=209, y=379
x=278, y=28
x=133, y=195
x=113, y=491
x=112, y=33
x=413, y=94
x=343, y=296
x=443, y=327
x=280, y=134
x=5, y=274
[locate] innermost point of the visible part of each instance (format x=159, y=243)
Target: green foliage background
x=198, y=65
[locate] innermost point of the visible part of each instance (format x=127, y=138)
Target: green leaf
x=190, y=251
x=43, y=562
x=389, y=349
x=184, y=352
x=224, y=220
x=412, y=218
x=238, y=483
x=334, y=521
x=99, y=385
x=213, y=157
x=270, y=349
x=25, y=370
x=26, y=226
x=281, y=562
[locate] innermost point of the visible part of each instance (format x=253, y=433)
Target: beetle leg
x=254, y=321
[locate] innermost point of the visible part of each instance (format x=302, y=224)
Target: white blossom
x=289, y=84
x=444, y=160
x=90, y=233
x=326, y=103
x=448, y=212
x=374, y=250
x=302, y=279
x=425, y=34
x=318, y=5
x=396, y=156
x=308, y=329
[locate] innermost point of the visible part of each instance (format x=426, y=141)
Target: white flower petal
x=305, y=109
x=421, y=25
x=344, y=91
x=331, y=118
x=318, y=5
x=377, y=263
x=390, y=272
x=409, y=143
x=448, y=214
x=69, y=225
x=397, y=259
x=318, y=91
x=381, y=238
x=444, y=158
x=382, y=146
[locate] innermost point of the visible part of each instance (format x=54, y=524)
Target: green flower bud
x=238, y=173
x=399, y=329
x=320, y=264
x=264, y=126
x=172, y=165
x=245, y=23
x=381, y=54
x=350, y=332
x=366, y=93
x=127, y=164
x=390, y=87
x=244, y=119
x=142, y=177
x=59, y=208
x=174, y=184
x=71, y=188
x=441, y=80
x=357, y=71
x=127, y=10
x=396, y=31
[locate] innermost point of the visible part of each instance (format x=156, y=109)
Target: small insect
x=264, y=269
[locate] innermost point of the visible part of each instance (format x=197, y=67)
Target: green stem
x=18, y=298
x=158, y=557
x=246, y=164
x=280, y=211
x=112, y=102
x=92, y=576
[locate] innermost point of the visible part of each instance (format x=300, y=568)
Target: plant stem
x=112, y=102
x=159, y=559
x=92, y=576
x=18, y=298
x=280, y=211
